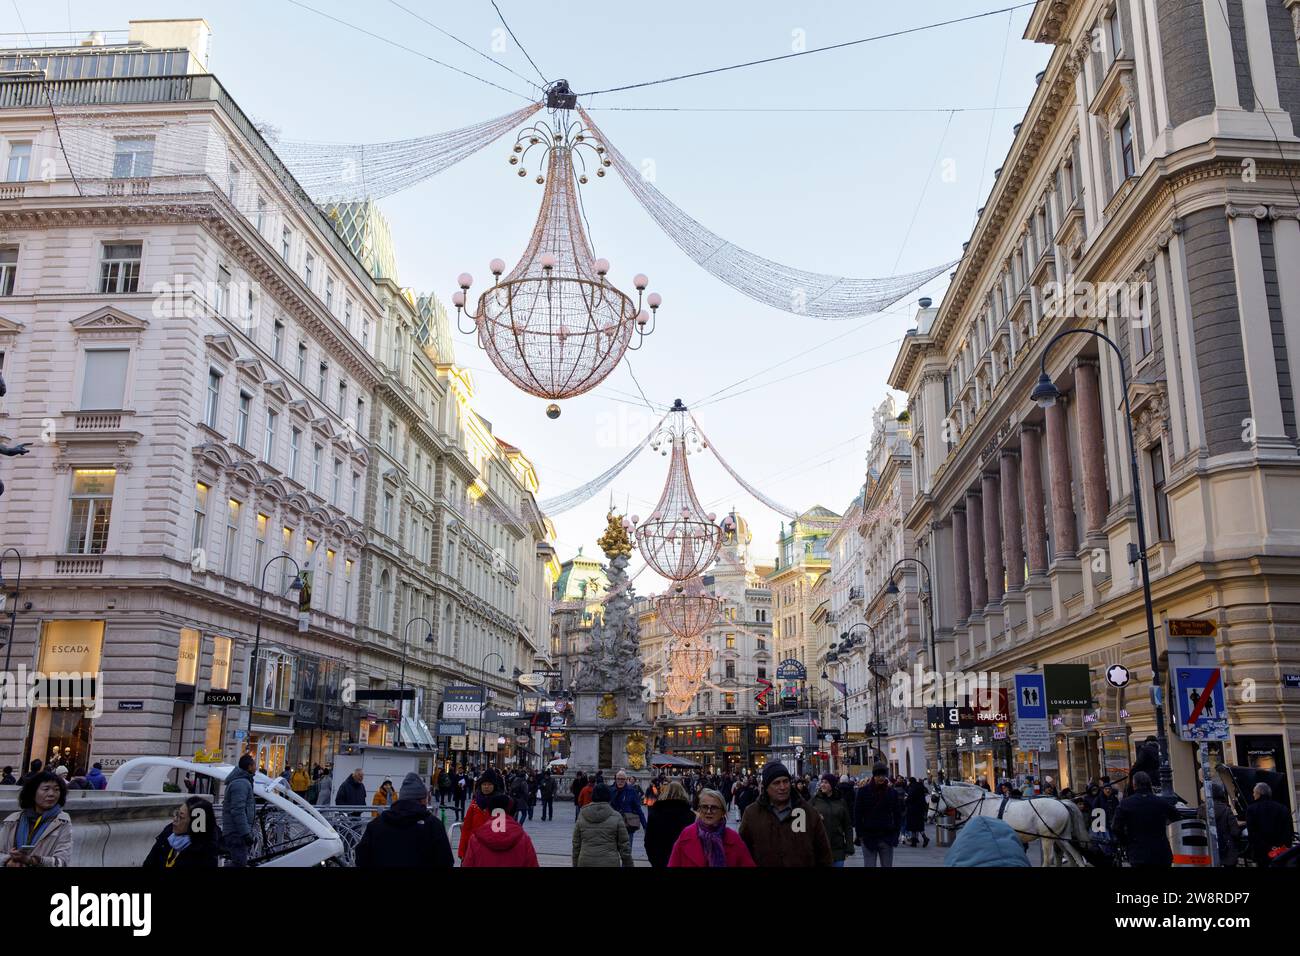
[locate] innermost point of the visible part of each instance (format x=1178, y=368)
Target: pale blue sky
x=826, y=191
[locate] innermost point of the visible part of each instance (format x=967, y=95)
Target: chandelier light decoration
x=686, y=610
x=691, y=660
x=678, y=540
x=555, y=326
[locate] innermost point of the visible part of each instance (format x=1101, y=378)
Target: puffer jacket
x=600, y=838
x=839, y=823
x=502, y=843
x=239, y=806
x=404, y=835
x=986, y=841
x=774, y=842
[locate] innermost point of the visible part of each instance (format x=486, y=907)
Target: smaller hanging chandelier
x=686, y=610
x=678, y=540
x=679, y=703
x=691, y=660
x=680, y=685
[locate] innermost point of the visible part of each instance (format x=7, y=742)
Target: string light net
x=678, y=540
x=782, y=287
x=686, y=610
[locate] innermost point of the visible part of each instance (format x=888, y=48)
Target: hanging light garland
x=686, y=610
x=555, y=326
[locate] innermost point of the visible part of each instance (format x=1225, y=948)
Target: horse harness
x=1002, y=809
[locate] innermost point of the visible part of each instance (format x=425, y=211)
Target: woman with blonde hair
x=670, y=815
x=709, y=842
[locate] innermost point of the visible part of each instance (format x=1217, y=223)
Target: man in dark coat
x=1268, y=824
x=780, y=829
x=406, y=834
x=915, y=810
x=547, y=787
x=352, y=792
x=747, y=795
x=239, y=812
x=1141, y=825
x=579, y=784
x=1147, y=760
x=877, y=817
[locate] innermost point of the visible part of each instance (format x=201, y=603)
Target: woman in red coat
x=501, y=841
x=709, y=841
x=478, y=813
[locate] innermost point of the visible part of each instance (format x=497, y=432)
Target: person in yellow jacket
x=384, y=796
x=300, y=781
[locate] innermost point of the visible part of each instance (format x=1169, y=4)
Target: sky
x=851, y=162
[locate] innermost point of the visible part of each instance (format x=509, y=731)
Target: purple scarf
x=711, y=841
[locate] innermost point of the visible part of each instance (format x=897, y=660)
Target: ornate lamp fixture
x=679, y=703
x=686, y=610
x=690, y=660
x=678, y=540
x=554, y=325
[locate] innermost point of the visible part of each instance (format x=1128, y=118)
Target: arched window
x=381, y=602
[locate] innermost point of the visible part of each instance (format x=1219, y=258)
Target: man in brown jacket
x=780, y=829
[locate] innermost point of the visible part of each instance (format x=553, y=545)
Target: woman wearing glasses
x=709, y=841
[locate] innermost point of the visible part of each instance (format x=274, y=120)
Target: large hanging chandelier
x=678, y=540
x=554, y=325
x=691, y=660
x=679, y=703
x=686, y=610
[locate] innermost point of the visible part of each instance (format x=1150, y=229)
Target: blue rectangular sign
x=1190, y=698
x=1031, y=697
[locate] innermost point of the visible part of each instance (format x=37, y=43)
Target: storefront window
x=273, y=680
x=762, y=736
x=221, y=663
x=187, y=657
x=60, y=736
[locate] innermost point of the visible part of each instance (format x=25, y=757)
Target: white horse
x=1055, y=822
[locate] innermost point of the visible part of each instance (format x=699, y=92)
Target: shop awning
x=415, y=733
x=668, y=760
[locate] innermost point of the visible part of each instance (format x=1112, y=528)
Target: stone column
x=1013, y=547
x=1031, y=477
x=1092, y=447
x=1065, y=541
x=979, y=590
x=992, y=536
x=961, y=564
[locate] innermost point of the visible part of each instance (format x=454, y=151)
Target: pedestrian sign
x=1031, y=697
x=1201, y=703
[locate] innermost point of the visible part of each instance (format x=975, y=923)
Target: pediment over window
x=214, y=454
x=223, y=345
x=323, y=427
x=9, y=326
x=108, y=319
x=277, y=389
x=252, y=368
x=301, y=408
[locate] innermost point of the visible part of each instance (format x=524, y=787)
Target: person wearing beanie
x=600, y=836
x=835, y=813
x=877, y=817
x=489, y=782
x=780, y=828
x=406, y=834
x=501, y=842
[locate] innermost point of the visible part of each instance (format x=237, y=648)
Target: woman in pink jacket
x=709, y=841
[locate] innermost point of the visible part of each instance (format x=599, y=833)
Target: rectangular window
x=222, y=291
x=316, y=452
x=232, y=185
x=212, y=412
x=132, y=157
x=90, y=510
x=1116, y=39
x=388, y=513
x=329, y=581
x=295, y=446
x=329, y=293
x=361, y=416
x=1163, y=529
x=220, y=663
x=343, y=399
x=324, y=370
x=338, y=481
x=356, y=493
x=119, y=267
x=286, y=242
x=1142, y=327
x=19, y=166
x=261, y=214
x=242, y=416
x=347, y=588
x=104, y=383
x=347, y=314
x=200, y=516
x=8, y=269
x=268, y=442
x=731, y=642
x=250, y=310
x=392, y=436
x=1126, y=146
x=259, y=548
x=302, y=361
x=277, y=340
x=231, y=563
x=307, y=269
x=730, y=670
x=365, y=333
x=286, y=547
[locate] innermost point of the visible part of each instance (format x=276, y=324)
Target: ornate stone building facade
x=1149, y=194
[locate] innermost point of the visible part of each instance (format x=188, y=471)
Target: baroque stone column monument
x=608, y=728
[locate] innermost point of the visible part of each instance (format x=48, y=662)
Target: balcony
x=856, y=594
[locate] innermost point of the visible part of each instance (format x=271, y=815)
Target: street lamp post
x=482, y=704
x=406, y=644
x=847, y=640
x=13, y=606
x=892, y=588
x=1045, y=394
x=295, y=586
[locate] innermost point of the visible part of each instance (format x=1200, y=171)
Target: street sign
x=1117, y=675
x=241, y=733
x=503, y=714
x=1191, y=627
x=1031, y=697
x=1202, y=706
x=450, y=728
x=221, y=698
x=1291, y=680
x=130, y=705
x=532, y=680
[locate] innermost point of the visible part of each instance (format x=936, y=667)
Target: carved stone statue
x=612, y=662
